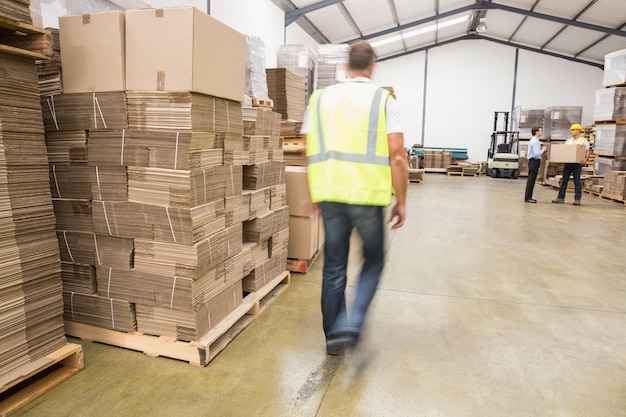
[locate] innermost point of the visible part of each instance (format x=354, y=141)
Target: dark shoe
x=577, y=202
x=337, y=345
x=335, y=351
x=530, y=200
x=558, y=200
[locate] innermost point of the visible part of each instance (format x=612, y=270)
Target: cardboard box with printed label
x=563, y=153
x=184, y=49
x=93, y=52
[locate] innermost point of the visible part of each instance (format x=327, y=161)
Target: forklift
x=502, y=158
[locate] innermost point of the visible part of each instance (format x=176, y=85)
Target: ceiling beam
x=570, y=22
x=622, y=26
x=303, y=22
x=396, y=19
x=523, y=21
x=421, y=21
x=473, y=36
x=348, y=17
x=484, y=5
x=587, y=7
x=292, y=15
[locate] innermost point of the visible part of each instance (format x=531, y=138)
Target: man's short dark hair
x=535, y=130
x=361, y=55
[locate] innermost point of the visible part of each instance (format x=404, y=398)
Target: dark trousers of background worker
x=533, y=170
x=575, y=170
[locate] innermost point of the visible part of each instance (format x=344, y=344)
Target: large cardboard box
x=562, y=153
x=93, y=52
x=184, y=49
x=303, y=236
x=298, y=196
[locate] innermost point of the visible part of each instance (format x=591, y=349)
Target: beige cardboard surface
x=298, y=196
x=93, y=52
x=562, y=153
x=303, y=236
x=184, y=49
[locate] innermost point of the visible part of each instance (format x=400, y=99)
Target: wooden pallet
x=463, y=172
x=259, y=102
x=302, y=265
x=22, y=39
x=199, y=352
x=611, y=122
x=33, y=380
x=611, y=197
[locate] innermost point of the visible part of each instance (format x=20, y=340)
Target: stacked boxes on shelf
x=332, y=64
x=558, y=120
x=301, y=61
x=610, y=118
x=524, y=118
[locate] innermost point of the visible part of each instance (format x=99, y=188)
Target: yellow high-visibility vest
x=347, y=147
x=580, y=141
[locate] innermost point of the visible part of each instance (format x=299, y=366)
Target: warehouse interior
x=161, y=254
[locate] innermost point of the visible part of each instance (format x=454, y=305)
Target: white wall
x=254, y=17
x=294, y=35
x=468, y=81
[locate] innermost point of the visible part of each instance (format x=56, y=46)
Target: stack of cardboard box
x=31, y=317
x=186, y=196
x=304, y=218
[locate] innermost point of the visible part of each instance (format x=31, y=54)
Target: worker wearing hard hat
x=574, y=169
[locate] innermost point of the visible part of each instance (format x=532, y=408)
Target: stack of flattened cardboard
x=67, y=146
x=85, y=111
x=167, y=184
x=31, y=318
x=288, y=91
x=260, y=121
x=183, y=111
x=49, y=70
x=16, y=9
x=290, y=128
x=99, y=311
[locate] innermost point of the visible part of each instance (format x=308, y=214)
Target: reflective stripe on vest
x=370, y=157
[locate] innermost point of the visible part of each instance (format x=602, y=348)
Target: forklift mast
x=502, y=139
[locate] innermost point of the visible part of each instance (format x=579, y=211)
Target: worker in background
x=535, y=150
x=574, y=169
x=355, y=154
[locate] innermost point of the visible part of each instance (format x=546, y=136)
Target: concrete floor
x=489, y=306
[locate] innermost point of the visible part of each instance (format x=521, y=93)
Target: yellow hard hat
x=576, y=126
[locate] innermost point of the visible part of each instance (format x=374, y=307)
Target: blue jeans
x=575, y=170
x=339, y=221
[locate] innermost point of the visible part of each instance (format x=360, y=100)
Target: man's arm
x=399, y=177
